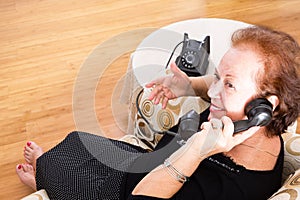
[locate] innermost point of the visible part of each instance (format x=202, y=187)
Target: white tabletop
x=150, y=58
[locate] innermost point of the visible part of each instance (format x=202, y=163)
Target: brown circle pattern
x=165, y=119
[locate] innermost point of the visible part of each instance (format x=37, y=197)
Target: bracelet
x=175, y=173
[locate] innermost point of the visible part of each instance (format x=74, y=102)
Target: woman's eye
x=229, y=85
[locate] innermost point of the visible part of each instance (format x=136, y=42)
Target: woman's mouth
x=215, y=108
x=216, y=111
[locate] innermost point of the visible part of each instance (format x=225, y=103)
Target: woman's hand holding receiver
x=217, y=136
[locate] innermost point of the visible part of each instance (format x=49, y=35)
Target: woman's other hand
x=170, y=87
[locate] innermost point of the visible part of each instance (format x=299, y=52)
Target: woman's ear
x=273, y=100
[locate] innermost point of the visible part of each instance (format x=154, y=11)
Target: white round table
x=150, y=58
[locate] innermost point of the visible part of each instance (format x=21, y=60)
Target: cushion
x=160, y=119
x=290, y=189
x=291, y=154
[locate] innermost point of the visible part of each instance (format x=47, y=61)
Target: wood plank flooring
x=44, y=43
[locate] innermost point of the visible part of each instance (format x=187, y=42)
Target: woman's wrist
x=175, y=173
x=190, y=89
x=200, y=85
x=179, y=166
x=187, y=158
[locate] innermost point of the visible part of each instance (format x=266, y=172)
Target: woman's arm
x=160, y=182
x=212, y=139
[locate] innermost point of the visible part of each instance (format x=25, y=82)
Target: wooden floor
x=44, y=43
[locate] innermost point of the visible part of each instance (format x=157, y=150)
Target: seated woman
x=214, y=163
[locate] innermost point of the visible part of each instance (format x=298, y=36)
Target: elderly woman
x=214, y=163
x=261, y=63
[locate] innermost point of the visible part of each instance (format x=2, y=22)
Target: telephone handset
x=259, y=112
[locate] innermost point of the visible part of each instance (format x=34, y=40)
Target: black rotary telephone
x=259, y=112
x=193, y=59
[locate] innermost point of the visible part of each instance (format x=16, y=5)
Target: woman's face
x=234, y=84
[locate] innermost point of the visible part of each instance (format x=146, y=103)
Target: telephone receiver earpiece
x=259, y=112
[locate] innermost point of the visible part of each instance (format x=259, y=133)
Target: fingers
x=157, y=93
x=155, y=82
x=168, y=87
x=217, y=136
x=165, y=102
x=206, y=126
x=157, y=87
x=228, y=126
x=239, y=137
x=150, y=85
x=158, y=97
x=216, y=124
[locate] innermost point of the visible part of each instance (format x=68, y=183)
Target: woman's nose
x=214, y=90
